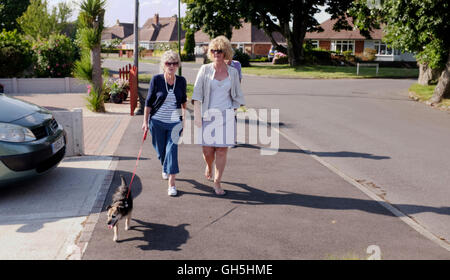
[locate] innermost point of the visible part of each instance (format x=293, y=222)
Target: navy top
x=157, y=92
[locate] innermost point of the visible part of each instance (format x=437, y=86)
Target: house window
x=343, y=45
x=314, y=44
x=145, y=45
x=382, y=48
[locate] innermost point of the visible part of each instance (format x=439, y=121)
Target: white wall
x=43, y=85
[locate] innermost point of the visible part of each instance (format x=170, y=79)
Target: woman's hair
x=220, y=43
x=171, y=56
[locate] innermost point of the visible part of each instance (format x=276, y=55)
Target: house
x=248, y=38
x=118, y=31
x=156, y=30
x=352, y=40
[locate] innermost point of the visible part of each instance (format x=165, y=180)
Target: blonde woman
x=217, y=94
x=163, y=113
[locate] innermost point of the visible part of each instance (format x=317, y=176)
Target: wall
x=43, y=85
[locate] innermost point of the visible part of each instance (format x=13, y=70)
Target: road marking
x=404, y=217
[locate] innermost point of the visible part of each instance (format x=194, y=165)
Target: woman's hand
x=145, y=126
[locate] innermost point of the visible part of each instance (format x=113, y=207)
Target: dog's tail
x=124, y=183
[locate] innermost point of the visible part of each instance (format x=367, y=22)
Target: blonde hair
x=169, y=55
x=220, y=43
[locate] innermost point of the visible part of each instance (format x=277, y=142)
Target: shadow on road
x=342, y=154
x=160, y=237
x=254, y=196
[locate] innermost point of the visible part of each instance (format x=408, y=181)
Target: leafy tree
x=15, y=54
x=212, y=17
x=10, y=10
x=291, y=18
x=37, y=22
x=417, y=26
x=189, y=44
x=91, y=23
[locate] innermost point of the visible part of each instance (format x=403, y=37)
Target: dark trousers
x=164, y=139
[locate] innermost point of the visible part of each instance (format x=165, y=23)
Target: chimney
x=156, y=19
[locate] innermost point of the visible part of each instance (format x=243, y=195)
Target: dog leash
x=137, y=162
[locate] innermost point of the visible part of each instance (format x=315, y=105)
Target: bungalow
x=249, y=39
x=156, y=30
x=352, y=40
x=118, y=31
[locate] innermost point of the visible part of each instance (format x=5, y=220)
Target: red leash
x=137, y=161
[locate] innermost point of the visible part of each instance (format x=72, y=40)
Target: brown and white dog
x=121, y=207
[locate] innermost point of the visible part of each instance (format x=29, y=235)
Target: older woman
x=164, y=111
x=217, y=93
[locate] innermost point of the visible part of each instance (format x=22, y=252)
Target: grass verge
x=424, y=93
x=329, y=72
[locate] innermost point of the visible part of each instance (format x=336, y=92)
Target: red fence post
x=133, y=82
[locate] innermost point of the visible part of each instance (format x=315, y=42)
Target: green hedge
x=15, y=54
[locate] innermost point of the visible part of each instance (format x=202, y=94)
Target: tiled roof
x=246, y=34
x=120, y=30
x=329, y=33
x=166, y=30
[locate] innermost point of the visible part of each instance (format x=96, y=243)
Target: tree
x=10, y=10
x=91, y=21
x=212, y=17
x=291, y=18
x=417, y=26
x=189, y=44
x=37, y=22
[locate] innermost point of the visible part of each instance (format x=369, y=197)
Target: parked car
x=31, y=140
x=271, y=53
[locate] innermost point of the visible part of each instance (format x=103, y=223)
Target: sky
x=123, y=10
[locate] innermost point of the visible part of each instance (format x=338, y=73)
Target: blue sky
x=123, y=10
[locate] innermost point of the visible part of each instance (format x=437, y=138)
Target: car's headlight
x=15, y=133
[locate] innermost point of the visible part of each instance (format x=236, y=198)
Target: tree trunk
x=97, y=79
x=427, y=74
x=443, y=87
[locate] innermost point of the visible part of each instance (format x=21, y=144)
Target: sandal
x=219, y=191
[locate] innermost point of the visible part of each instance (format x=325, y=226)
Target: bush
x=242, y=57
x=15, y=54
x=280, y=58
x=54, y=57
x=369, y=54
x=318, y=56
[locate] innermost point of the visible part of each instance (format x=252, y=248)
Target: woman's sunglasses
x=217, y=51
x=171, y=63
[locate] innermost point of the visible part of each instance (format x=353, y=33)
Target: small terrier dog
x=120, y=207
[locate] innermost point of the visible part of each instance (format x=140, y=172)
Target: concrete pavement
x=62, y=204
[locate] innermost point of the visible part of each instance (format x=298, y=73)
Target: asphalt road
x=367, y=129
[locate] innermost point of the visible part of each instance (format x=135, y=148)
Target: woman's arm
x=146, y=118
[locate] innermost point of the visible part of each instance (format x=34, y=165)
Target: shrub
x=280, y=58
x=369, y=54
x=15, y=54
x=54, y=57
x=242, y=57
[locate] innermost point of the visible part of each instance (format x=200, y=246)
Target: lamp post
x=179, y=37
x=136, y=34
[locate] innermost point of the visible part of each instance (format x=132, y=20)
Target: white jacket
x=202, y=87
